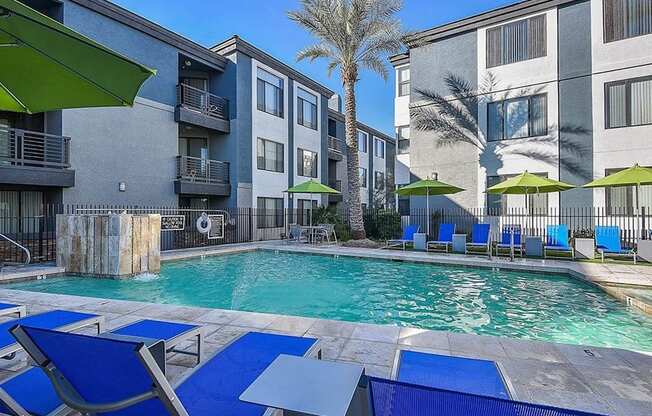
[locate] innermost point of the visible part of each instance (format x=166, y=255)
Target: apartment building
x=227, y=126
x=559, y=88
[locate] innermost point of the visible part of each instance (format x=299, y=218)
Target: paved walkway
x=609, y=381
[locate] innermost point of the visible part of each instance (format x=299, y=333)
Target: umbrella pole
x=638, y=215
x=427, y=212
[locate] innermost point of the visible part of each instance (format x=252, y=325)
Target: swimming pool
x=482, y=301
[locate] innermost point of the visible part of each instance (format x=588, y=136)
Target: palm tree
x=352, y=35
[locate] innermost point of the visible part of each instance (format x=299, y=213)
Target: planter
x=585, y=248
x=419, y=241
x=644, y=250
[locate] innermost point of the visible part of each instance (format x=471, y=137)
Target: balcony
x=35, y=158
x=196, y=176
x=337, y=185
x=201, y=108
x=336, y=148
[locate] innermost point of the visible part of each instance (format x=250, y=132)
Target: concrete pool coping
x=602, y=380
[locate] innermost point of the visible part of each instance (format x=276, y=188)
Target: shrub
x=382, y=224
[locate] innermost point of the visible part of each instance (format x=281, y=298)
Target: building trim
x=237, y=44
x=400, y=59
x=489, y=18
x=185, y=45
x=340, y=116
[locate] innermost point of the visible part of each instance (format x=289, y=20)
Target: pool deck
x=602, y=380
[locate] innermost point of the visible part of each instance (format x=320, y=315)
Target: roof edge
x=340, y=116
x=135, y=21
x=400, y=59
x=236, y=44
x=483, y=19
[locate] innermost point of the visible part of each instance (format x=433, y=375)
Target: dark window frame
x=379, y=185
x=630, y=197
x=363, y=183
x=402, y=82
x=280, y=162
x=260, y=94
x=609, y=35
x=366, y=141
x=530, y=54
x=301, y=167
x=503, y=197
x=278, y=215
x=384, y=147
x=628, y=101
x=303, y=216
x=529, y=121
x=313, y=111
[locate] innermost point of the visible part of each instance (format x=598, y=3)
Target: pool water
x=539, y=306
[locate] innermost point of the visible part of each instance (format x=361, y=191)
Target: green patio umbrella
x=526, y=184
x=47, y=66
x=634, y=176
x=428, y=187
x=312, y=187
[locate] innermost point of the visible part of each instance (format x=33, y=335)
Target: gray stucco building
x=227, y=126
x=560, y=88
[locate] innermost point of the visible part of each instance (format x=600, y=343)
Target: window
x=379, y=148
x=306, y=163
x=627, y=19
x=303, y=210
x=537, y=203
x=404, y=81
x=379, y=180
x=628, y=103
x=363, y=177
x=306, y=109
x=403, y=140
x=517, y=118
x=404, y=206
x=270, y=155
x=363, y=139
x=270, y=93
x=622, y=200
x=332, y=127
x=270, y=212
x=516, y=41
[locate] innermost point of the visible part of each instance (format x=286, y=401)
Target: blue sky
x=265, y=24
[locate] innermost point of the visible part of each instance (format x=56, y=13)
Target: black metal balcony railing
x=195, y=169
x=34, y=149
x=202, y=101
x=335, y=184
x=336, y=144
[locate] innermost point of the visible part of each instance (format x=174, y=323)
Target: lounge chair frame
x=570, y=249
x=397, y=365
x=602, y=251
x=98, y=321
x=170, y=345
x=437, y=244
x=16, y=408
x=485, y=246
x=19, y=310
x=400, y=242
x=161, y=388
x=502, y=246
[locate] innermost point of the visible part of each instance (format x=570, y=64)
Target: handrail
x=29, y=256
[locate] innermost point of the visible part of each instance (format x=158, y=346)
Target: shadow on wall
x=523, y=130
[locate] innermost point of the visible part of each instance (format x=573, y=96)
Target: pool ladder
x=20, y=246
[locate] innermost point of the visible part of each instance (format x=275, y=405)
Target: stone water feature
x=109, y=245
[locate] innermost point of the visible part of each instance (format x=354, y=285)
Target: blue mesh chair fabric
x=394, y=398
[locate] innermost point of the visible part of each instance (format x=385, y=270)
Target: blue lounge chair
x=126, y=379
x=480, y=239
x=30, y=391
x=396, y=398
x=56, y=319
x=444, y=238
x=10, y=309
x=461, y=374
x=607, y=242
x=408, y=237
x=557, y=241
x=506, y=240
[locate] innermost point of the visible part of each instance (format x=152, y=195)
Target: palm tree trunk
x=352, y=164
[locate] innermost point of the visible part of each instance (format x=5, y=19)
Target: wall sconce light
x=122, y=187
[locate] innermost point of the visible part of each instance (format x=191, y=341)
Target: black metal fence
x=241, y=225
